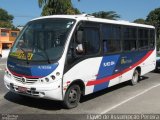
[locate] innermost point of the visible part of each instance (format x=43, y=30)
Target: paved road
x=122, y=99
x=2, y=69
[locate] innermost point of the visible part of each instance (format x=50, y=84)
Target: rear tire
x=135, y=77
x=72, y=97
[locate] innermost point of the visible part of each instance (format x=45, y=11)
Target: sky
x=129, y=10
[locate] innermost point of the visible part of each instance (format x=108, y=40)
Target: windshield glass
x=42, y=40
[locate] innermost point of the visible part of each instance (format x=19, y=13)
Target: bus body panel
x=85, y=70
x=146, y=64
x=102, y=72
x=149, y=64
x=51, y=90
x=43, y=90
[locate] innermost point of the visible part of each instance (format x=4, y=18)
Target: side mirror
x=79, y=38
x=79, y=41
x=79, y=49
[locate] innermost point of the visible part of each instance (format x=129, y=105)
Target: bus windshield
x=42, y=40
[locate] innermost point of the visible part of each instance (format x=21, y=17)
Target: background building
x=7, y=37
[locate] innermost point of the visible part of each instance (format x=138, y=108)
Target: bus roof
x=94, y=19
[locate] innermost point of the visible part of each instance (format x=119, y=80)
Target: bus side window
x=129, y=38
x=105, y=46
x=87, y=41
x=152, y=39
x=91, y=41
x=111, y=36
x=143, y=39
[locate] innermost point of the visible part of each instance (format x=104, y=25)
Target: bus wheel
x=72, y=97
x=135, y=77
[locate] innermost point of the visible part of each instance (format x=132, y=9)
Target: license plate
x=158, y=67
x=22, y=89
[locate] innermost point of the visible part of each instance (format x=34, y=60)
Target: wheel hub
x=73, y=96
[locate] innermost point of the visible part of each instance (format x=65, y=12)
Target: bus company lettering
x=125, y=61
x=107, y=64
x=46, y=67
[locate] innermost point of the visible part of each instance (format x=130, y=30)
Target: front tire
x=72, y=97
x=135, y=77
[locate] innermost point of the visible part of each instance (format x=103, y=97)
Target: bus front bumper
x=52, y=91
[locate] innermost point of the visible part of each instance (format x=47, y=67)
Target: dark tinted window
x=91, y=40
x=111, y=35
x=143, y=38
x=152, y=39
x=129, y=38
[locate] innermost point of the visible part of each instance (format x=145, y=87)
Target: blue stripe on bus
x=116, y=62
x=107, y=68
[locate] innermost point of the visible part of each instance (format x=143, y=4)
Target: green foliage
x=158, y=43
x=153, y=18
x=5, y=16
x=107, y=15
x=5, y=19
x=52, y=7
x=140, y=21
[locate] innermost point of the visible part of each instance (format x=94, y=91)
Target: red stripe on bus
x=26, y=76
x=106, y=79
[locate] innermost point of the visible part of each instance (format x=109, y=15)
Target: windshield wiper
x=26, y=54
x=44, y=53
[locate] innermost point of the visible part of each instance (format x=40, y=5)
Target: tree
x=51, y=7
x=140, y=20
x=153, y=18
x=107, y=15
x=5, y=19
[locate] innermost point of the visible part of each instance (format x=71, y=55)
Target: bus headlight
x=47, y=79
x=57, y=73
x=53, y=77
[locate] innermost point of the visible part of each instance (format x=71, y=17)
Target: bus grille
x=27, y=81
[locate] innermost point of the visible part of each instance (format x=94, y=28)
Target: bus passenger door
x=83, y=60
